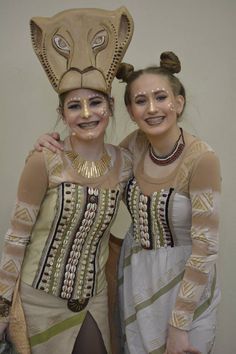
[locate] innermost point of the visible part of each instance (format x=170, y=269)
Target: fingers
x=55, y=136
x=50, y=141
x=53, y=144
x=37, y=147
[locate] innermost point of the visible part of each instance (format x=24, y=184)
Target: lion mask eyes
x=100, y=40
x=61, y=44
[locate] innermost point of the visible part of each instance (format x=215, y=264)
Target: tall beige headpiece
x=82, y=48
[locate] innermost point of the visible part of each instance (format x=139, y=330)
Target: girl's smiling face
x=87, y=113
x=154, y=107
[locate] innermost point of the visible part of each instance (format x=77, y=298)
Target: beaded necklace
x=172, y=156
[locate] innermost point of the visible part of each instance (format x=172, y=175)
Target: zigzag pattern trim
x=25, y=213
x=187, y=290
x=203, y=202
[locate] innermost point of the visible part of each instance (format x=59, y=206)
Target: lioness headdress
x=82, y=48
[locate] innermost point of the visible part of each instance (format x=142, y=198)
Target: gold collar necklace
x=88, y=168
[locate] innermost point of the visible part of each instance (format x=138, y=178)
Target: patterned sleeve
x=204, y=189
x=31, y=190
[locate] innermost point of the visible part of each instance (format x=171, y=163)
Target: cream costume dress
x=60, y=230
x=61, y=222
x=167, y=267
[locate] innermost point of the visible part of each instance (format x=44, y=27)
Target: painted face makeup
x=152, y=91
x=155, y=96
x=92, y=104
x=87, y=113
x=153, y=104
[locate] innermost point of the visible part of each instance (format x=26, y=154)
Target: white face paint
x=90, y=136
x=154, y=107
x=171, y=106
x=91, y=104
x=87, y=113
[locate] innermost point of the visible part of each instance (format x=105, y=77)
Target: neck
x=88, y=149
x=164, y=143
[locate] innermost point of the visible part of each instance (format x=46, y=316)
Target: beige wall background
x=201, y=32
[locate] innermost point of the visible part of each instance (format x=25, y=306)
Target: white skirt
x=149, y=282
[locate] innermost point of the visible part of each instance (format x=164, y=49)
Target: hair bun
x=124, y=71
x=170, y=62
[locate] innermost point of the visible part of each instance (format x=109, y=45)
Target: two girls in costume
x=167, y=277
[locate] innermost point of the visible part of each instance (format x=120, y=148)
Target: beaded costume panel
x=59, y=232
x=150, y=216
x=68, y=264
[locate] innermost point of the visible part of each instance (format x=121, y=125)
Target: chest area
x=161, y=219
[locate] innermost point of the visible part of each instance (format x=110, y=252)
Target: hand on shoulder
x=50, y=141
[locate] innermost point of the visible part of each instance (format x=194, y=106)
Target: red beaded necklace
x=172, y=156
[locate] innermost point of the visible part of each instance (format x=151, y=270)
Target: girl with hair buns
x=167, y=268
x=167, y=277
